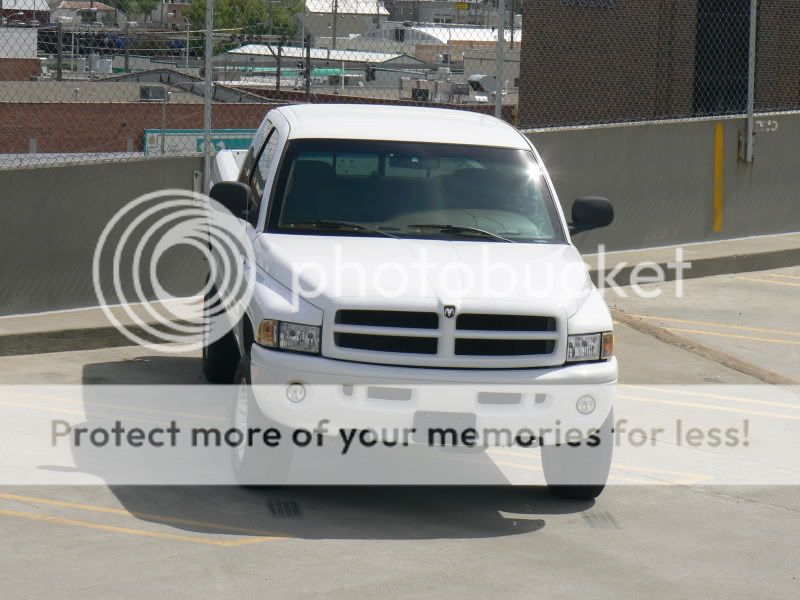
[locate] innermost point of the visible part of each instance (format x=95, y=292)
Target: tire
x=580, y=472
x=255, y=465
x=220, y=357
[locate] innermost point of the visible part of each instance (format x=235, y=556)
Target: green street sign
x=190, y=141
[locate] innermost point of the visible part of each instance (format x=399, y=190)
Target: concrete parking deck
x=686, y=540
x=752, y=316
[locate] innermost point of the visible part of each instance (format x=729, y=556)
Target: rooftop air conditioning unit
x=420, y=95
x=152, y=93
x=460, y=89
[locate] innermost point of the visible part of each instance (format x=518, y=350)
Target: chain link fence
x=589, y=62
x=85, y=80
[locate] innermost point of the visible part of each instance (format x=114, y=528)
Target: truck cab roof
x=399, y=123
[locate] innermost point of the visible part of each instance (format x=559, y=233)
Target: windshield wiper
x=340, y=224
x=464, y=229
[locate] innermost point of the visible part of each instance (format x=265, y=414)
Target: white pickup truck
x=410, y=247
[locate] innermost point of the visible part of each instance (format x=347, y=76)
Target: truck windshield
x=413, y=190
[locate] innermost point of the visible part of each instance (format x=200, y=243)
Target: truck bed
x=227, y=165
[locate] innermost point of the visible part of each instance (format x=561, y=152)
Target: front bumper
x=366, y=396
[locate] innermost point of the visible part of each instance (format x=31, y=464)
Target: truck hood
x=330, y=271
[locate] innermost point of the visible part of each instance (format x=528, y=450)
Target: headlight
x=591, y=346
x=300, y=338
x=294, y=337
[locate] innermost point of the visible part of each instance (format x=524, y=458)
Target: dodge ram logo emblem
x=449, y=311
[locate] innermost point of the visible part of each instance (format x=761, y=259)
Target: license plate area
x=441, y=428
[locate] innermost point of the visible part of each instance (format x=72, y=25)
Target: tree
x=254, y=17
x=126, y=6
x=144, y=7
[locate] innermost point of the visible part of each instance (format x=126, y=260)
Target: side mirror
x=591, y=212
x=233, y=195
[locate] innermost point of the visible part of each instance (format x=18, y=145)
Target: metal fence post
x=751, y=80
x=60, y=47
x=209, y=94
x=278, y=66
x=499, y=67
x=308, y=69
x=333, y=25
x=511, y=24
x=127, y=44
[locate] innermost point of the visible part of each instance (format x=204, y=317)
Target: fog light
x=296, y=392
x=586, y=405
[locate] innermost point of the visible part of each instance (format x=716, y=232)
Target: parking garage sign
x=190, y=141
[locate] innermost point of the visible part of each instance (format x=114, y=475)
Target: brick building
x=18, y=59
x=618, y=60
x=110, y=126
x=24, y=11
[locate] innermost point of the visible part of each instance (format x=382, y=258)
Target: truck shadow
x=347, y=512
x=313, y=512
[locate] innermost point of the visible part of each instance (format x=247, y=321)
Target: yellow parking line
x=688, y=477
x=44, y=408
x=741, y=411
x=611, y=477
x=127, y=530
x=714, y=396
x=58, y=409
x=783, y=275
x=738, y=337
x=768, y=281
x=140, y=515
x=721, y=325
x=123, y=407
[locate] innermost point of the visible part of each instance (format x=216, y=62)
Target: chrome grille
x=426, y=338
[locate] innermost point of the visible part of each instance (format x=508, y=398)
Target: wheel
x=256, y=464
x=221, y=356
x=580, y=472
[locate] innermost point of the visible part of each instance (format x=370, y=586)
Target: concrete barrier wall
x=660, y=178
x=52, y=218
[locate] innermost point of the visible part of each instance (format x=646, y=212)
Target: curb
x=70, y=340
x=679, y=341
x=715, y=265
